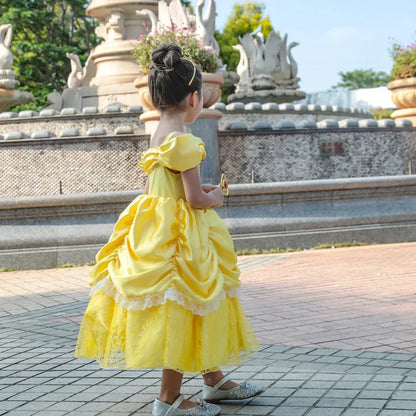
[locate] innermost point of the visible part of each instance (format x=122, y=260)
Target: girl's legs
x=172, y=381
x=212, y=378
x=171, y=389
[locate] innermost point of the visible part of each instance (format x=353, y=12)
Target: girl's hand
x=217, y=197
x=207, y=187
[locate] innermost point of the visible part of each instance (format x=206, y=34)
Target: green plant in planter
x=404, y=58
x=183, y=37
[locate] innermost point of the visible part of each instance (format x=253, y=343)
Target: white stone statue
x=205, y=26
x=242, y=69
x=6, y=57
x=293, y=63
x=172, y=13
x=7, y=75
x=79, y=76
x=262, y=58
x=266, y=66
x=76, y=76
x=9, y=96
x=153, y=20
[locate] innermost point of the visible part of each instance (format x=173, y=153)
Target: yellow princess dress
x=164, y=290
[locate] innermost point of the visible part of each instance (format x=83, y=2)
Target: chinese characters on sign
x=332, y=148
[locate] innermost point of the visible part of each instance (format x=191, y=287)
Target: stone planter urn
x=403, y=94
x=211, y=89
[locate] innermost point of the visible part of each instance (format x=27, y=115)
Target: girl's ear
x=193, y=98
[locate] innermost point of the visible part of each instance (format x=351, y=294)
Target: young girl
x=165, y=287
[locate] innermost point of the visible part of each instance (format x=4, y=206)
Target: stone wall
x=47, y=231
x=110, y=163
x=68, y=166
x=274, y=156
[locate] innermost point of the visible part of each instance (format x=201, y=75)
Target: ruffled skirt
x=164, y=336
x=165, y=292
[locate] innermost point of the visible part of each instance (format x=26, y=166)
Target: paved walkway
x=337, y=328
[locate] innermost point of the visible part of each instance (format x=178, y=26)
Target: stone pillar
x=115, y=68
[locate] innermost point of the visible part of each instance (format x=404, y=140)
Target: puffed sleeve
x=180, y=153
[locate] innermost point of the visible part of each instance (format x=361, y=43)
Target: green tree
x=362, y=78
x=244, y=18
x=43, y=32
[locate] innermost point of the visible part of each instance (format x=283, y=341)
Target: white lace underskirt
x=145, y=302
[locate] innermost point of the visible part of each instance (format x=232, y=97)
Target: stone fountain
x=9, y=96
x=110, y=70
x=267, y=70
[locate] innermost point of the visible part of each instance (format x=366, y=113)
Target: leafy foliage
x=404, y=58
x=362, y=78
x=380, y=113
x=244, y=18
x=43, y=32
x=183, y=37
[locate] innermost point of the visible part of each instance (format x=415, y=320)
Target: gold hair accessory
x=192, y=62
x=224, y=185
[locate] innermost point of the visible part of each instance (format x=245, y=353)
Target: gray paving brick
x=379, y=385
x=375, y=394
x=254, y=410
x=353, y=385
x=407, y=386
x=404, y=395
x=95, y=406
x=326, y=377
x=290, y=411
x=396, y=413
x=374, y=355
x=333, y=402
x=304, y=392
x=325, y=411
x=402, y=404
x=57, y=396
x=288, y=383
x=64, y=406
x=300, y=401
x=10, y=404
x=388, y=377
x=361, y=412
x=18, y=412
x=34, y=406
x=400, y=357
x=368, y=403
x=124, y=408
x=265, y=401
x=342, y=393
x=297, y=375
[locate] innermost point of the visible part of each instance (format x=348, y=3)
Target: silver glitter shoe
x=165, y=409
x=242, y=391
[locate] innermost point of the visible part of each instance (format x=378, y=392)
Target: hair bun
x=167, y=55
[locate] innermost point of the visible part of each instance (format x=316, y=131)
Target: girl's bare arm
x=196, y=196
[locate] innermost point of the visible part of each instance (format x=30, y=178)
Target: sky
x=336, y=35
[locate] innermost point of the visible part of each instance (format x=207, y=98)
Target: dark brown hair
x=172, y=76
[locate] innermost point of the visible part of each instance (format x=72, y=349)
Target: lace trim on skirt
x=145, y=302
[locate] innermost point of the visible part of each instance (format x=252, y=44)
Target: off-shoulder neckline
x=169, y=137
